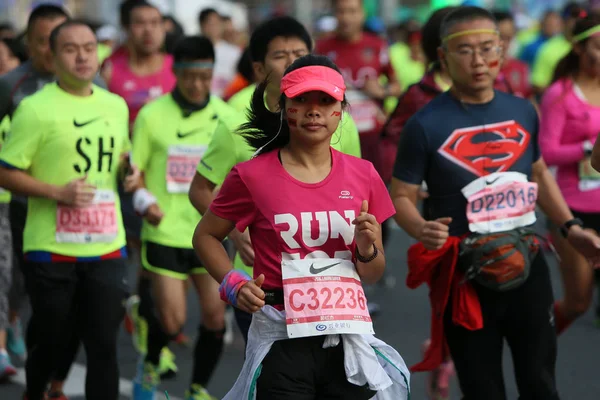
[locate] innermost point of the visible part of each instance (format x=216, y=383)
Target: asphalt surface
x=403, y=323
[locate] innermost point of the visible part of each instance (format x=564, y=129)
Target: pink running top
x=567, y=121
x=135, y=89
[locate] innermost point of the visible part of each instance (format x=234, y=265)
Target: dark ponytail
x=263, y=125
x=569, y=65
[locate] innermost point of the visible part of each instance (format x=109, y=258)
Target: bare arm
x=404, y=196
x=201, y=193
x=372, y=272
x=17, y=181
x=550, y=198
x=208, y=238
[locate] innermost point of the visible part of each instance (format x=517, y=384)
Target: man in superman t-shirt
x=474, y=140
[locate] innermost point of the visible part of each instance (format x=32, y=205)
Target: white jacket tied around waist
x=367, y=360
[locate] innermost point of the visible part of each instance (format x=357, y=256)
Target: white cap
x=107, y=32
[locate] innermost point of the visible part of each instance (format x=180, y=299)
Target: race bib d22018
x=96, y=223
x=500, y=202
x=324, y=296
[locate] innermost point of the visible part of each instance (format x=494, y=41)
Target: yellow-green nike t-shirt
x=4, y=131
x=241, y=100
x=58, y=137
x=167, y=147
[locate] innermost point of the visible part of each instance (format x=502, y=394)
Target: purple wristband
x=231, y=284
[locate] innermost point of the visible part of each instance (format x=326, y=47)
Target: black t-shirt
x=448, y=144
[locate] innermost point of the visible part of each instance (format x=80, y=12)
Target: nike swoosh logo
x=316, y=271
x=490, y=182
x=181, y=135
x=81, y=124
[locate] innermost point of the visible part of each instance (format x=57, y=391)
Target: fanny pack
x=499, y=261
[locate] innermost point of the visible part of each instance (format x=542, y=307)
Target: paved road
x=404, y=323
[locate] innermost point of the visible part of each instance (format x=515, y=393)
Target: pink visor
x=307, y=79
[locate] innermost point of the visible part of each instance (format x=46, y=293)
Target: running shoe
x=197, y=392
x=14, y=340
x=183, y=340
x=166, y=366
x=438, y=381
x=6, y=368
x=146, y=381
x=139, y=333
x=56, y=396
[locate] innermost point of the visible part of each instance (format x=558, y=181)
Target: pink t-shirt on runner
x=289, y=219
x=135, y=89
x=567, y=121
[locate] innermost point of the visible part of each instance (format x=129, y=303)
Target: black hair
x=173, y=37
x=569, y=65
x=277, y=27
x=17, y=48
x=263, y=125
x=463, y=14
x=190, y=48
x=205, y=14
x=6, y=26
x=127, y=8
x=573, y=10
x=334, y=3
x=45, y=11
x=244, y=66
x=431, y=35
x=500, y=16
x=56, y=31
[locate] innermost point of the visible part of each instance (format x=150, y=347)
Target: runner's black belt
x=274, y=297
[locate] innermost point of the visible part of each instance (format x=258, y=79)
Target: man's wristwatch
x=564, y=230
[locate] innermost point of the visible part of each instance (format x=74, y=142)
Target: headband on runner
x=586, y=34
x=468, y=32
x=181, y=65
x=307, y=79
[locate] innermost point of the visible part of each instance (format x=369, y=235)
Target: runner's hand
x=435, y=233
x=243, y=245
x=154, y=215
x=587, y=242
x=366, y=230
x=251, y=297
x=77, y=193
x=423, y=194
x=133, y=180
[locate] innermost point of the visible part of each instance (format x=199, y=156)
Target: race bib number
x=589, y=178
x=96, y=223
x=364, y=111
x=500, y=202
x=324, y=296
x=181, y=166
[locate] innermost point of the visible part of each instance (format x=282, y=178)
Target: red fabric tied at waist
x=438, y=269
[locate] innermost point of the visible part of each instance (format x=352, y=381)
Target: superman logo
x=486, y=149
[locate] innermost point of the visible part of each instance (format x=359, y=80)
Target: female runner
x=314, y=215
x=570, y=122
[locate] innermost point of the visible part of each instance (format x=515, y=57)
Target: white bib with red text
x=324, y=296
x=96, y=223
x=363, y=109
x=181, y=166
x=500, y=202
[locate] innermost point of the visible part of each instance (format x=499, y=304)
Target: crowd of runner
x=264, y=172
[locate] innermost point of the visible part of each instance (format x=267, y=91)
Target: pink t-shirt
x=567, y=121
x=135, y=89
x=289, y=219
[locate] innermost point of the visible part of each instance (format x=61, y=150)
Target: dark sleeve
x=5, y=98
x=397, y=119
x=413, y=156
